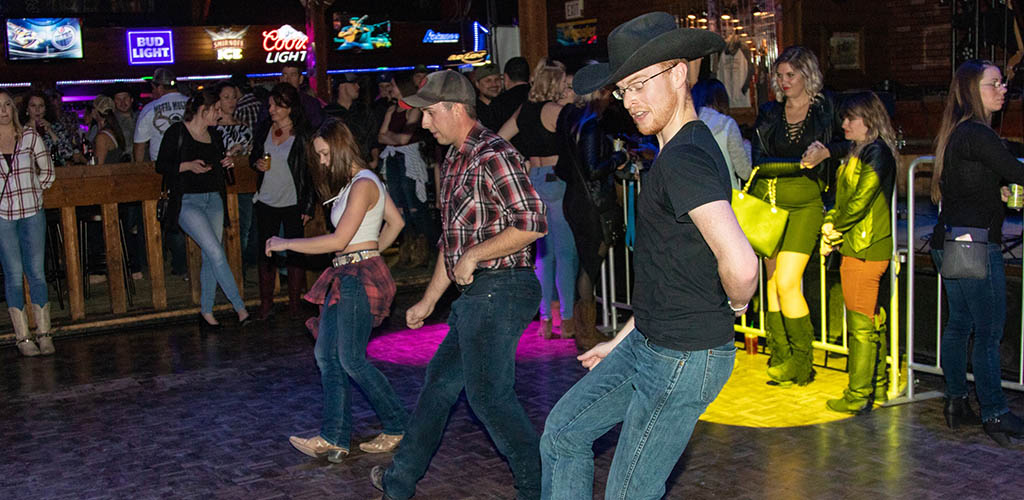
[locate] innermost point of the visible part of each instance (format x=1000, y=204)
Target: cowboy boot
x=866, y=357
x=797, y=368
x=419, y=253
x=266, y=272
x=20, y=322
x=296, y=282
x=775, y=333
x=42, y=315
x=585, y=316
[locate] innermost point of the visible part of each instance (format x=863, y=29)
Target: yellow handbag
x=762, y=222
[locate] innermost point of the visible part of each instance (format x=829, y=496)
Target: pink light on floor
x=416, y=347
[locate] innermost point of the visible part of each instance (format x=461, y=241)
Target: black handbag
x=163, y=204
x=965, y=258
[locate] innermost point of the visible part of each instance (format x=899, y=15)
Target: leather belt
x=353, y=257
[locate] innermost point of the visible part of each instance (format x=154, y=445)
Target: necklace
x=278, y=133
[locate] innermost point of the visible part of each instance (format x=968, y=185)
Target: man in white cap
x=490, y=215
x=167, y=107
x=695, y=271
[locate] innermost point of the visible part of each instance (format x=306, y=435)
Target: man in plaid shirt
x=490, y=216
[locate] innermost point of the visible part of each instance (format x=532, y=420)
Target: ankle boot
x=20, y=322
x=1003, y=427
x=42, y=315
x=545, y=329
x=266, y=272
x=797, y=368
x=775, y=332
x=958, y=412
x=296, y=283
x=863, y=364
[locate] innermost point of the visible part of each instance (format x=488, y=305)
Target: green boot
x=882, y=368
x=866, y=366
x=775, y=334
x=797, y=368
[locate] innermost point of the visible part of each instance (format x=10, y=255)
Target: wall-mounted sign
x=469, y=57
x=573, y=9
x=150, y=47
x=436, y=37
x=285, y=44
x=228, y=43
x=358, y=35
x=582, y=32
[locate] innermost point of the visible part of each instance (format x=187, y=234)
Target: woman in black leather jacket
x=784, y=132
x=586, y=163
x=284, y=190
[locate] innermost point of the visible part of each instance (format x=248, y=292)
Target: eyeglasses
x=1001, y=84
x=620, y=93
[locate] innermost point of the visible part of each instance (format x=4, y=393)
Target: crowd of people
x=520, y=168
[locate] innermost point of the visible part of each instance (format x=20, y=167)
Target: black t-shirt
x=678, y=298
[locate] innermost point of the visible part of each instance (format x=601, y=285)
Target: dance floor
x=175, y=412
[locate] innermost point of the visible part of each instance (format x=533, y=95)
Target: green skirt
x=802, y=198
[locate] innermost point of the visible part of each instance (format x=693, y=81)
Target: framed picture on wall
x=845, y=50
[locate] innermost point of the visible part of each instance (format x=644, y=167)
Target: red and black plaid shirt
x=23, y=180
x=376, y=279
x=485, y=188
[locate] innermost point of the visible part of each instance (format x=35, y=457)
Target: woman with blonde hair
x=26, y=170
x=971, y=164
x=859, y=227
x=787, y=150
x=535, y=122
x=354, y=294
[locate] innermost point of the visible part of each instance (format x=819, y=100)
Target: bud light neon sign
x=150, y=47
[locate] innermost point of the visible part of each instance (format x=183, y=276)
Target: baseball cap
x=484, y=71
x=347, y=78
x=446, y=86
x=102, y=104
x=420, y=68
x=163, y=76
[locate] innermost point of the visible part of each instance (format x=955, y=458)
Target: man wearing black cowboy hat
x=695, y=271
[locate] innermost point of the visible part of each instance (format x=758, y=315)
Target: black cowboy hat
x=642, y=42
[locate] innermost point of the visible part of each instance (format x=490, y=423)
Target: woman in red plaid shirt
x=26, y=169
x=354, y=295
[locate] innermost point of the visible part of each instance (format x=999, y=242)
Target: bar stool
x=90, y=215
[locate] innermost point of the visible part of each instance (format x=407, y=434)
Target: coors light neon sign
x=285, y=44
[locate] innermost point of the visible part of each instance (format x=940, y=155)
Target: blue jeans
x=657, y=393
x=202, y=218
x=22, y=251
x=557, y=261
x=978, y=305
x=341, y=353
x=402, y=190
x=478, y=354
x=246, y=229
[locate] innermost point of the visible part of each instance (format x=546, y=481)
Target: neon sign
x=285, y=44
x=150, y=47
x=469, y=57
x=227, y=43
x=436, y=37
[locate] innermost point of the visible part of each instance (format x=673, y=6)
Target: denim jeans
x=202, y=218
x=247, y=230
x=657, y=393
x=341, y=353
x=402, y=190
x=478, y=354
x=978, y=305
x=22, y=251
x=557, y=261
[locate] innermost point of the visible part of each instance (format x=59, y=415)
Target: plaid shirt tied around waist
x=375, y=276
x=486, y=188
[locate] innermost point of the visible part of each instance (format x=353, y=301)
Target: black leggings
x=269, y=220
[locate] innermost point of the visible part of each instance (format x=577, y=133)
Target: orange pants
x=860, y=283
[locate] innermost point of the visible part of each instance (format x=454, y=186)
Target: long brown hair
x=331, y=178
x=962, y=104
x=869, y=108
x=15, y=119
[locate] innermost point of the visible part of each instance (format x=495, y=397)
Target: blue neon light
x=150, y=47
x=432, y=36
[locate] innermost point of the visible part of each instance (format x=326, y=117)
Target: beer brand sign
x=475, y=56
x=285, y=44
x=228, y=43
x=150, y=47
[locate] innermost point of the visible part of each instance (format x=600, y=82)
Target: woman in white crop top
x=355, y=295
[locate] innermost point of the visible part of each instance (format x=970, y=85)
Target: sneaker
x=383, y=443
x=316, y=447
